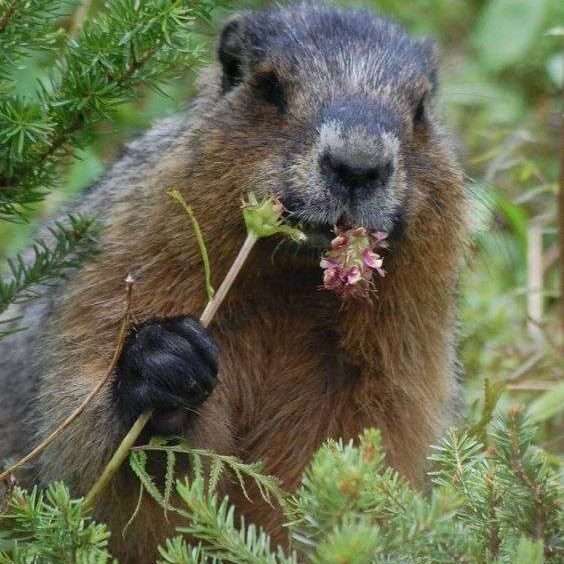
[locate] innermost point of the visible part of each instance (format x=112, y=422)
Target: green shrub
x=485, y=505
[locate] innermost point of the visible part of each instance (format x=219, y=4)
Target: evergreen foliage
x=499, y=504
x=50, y=527
x=127, y=45
x=24, y=27
x=71, y=243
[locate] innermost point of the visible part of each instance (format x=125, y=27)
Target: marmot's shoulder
x=131, y=166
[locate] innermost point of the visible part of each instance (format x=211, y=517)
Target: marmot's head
x=332, y=110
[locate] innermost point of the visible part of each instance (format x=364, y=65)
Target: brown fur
x=296, y=365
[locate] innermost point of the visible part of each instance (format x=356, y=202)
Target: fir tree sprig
x=50, y=526
x=508, y=492
x=26, y=26
x=531, y=497
x=213, y=522
x=22, y=125
x=489, y=506
x=207, y=516
x=178, y=551
x=128, y=45
x=71, y=244
x=348, y=489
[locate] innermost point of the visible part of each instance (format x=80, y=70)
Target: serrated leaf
x=169, y=478
x=138, y=463
x=215, y=474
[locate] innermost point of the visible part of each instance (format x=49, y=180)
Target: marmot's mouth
x=320, y=235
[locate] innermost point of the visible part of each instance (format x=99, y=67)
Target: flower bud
x=264, y=219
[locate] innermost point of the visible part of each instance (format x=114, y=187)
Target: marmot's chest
x=288, y=343
x=288, y=363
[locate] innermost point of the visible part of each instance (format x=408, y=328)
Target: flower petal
x=349, y=265
x=353, y=276
x=339, y=241
x=331, y=278
x=328, y=263
x=371, y=259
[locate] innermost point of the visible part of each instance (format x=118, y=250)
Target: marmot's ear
x=230, y=52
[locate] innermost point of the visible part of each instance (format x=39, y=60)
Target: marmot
x=332, y=110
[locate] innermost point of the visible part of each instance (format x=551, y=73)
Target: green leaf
x=516, y=217
x=177, y=197
x=492, y=393
x=138, y=463
x=557, y=31
x=548, y=404
x=507, y=29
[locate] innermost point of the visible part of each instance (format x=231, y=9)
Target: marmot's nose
x=361, y=175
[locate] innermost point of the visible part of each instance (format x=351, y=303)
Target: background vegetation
x=502, y=97
x=502, y=92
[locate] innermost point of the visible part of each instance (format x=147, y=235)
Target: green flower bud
x=264, y=219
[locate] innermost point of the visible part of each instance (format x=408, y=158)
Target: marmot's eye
x=419, y=115
x=270, y=90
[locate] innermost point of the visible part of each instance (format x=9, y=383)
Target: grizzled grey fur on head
x=356, y=86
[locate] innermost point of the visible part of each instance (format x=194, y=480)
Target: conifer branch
x=349, y=508
x=50, y=526
x=213, y=521
x=71, y=244
x=128, y=45
x=9, y=10
x=26, y=26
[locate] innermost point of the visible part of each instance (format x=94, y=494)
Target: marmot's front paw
x=169, y=365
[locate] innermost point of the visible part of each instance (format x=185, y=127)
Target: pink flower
x=350, y=263
x=373, y=261
x=331, y=278
x=339, y=241
x=353, y=276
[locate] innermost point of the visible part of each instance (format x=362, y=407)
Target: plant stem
x=208, y=314
x=213, y=305
x=561, y=227
x=118, y=457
